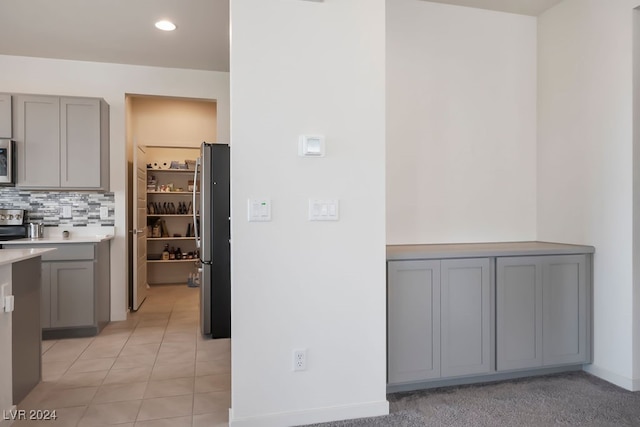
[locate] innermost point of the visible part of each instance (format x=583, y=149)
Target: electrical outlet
x=300, y=359
x=66, y=211
x=104, y=212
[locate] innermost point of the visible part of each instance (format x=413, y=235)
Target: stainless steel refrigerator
x=213, y=233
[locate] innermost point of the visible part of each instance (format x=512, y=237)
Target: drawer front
x=69, y=252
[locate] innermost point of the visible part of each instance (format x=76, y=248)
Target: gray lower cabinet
x=413, y=317
x=465, y=312
x=541, y=311
x=438, y=319
x=5, y=116
x=565, y=290
x=61, y=142
x=75, y=289
x=25, y=328
x=72, y=294
x=518, y=313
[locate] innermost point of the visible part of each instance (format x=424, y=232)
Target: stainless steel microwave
x=7, y=162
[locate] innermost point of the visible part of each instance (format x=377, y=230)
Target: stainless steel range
x=12, y=224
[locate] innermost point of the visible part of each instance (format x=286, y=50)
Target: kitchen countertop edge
x=10, y=256
x=58, y=240
x=476, y=250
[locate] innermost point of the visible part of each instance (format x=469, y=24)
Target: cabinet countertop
x=472, y=250
x=53, y=236
x=56, y=240
x=9, y=256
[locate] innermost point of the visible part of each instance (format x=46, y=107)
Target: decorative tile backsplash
x=47, y=206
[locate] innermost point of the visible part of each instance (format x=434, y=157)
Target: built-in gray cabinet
x=541, y=311
x=413, y=317
x=62, y=142
x=438, y=319
x=465, y=304
x=5, y=116
x=463, y=313
x=518, y=312
x=75, y=289
x=565, y=290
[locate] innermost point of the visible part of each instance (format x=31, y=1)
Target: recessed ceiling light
x=165, y=25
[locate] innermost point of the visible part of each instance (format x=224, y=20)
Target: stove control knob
x=3, y=217
x=18, y=216
x=10, y=216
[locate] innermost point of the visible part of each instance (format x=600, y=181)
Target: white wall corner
x=613, y=378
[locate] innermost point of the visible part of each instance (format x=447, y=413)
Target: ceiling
x=119, y=31
x=122, y=31
x=522, y=7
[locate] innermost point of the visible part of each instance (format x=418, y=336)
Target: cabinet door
x=413, y=298
x=519, y=313
x=465, y=316
x=80, y=142
x=45, y=295
x=37, y=135
x=564, y=290
x=5, y=116
x=72, y=294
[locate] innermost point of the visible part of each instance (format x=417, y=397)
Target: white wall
x=112, y=82
x=6, y=366
x=308, y=67
x=461, y=124
x=585, y=167
x=636, y=197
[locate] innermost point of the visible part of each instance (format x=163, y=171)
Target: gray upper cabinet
x=413, y=321
x=519, y=313
x=6, y=129
x=465, y=316
x=83, y=147
x=565, y=295
x=62, y=142
x=37, y=135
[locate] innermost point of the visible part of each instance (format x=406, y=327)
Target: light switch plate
x=66, y=212
x=259, y=210
x=324, y=210
x=4, y=291
x=311, y=146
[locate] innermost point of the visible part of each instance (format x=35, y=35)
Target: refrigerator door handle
x=194, y=210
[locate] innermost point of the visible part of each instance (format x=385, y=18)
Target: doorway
x=175, y=124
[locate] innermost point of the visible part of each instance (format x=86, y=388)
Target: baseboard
x=613, y=378
x=311, y=416
x=8, y=416
x=479, y=379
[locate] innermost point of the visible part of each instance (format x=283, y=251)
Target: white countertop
x=53, y=236
x=9, y=256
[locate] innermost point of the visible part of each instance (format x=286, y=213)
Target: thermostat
x=311, y=146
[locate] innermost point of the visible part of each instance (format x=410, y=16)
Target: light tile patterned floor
x=154, y=369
